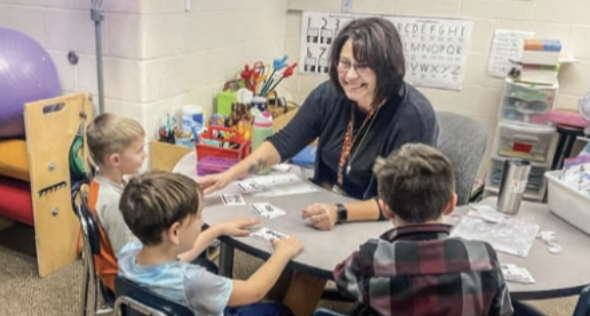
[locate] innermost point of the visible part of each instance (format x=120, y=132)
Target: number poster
x=435, y=49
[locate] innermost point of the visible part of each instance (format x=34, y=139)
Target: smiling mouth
x=355, y=87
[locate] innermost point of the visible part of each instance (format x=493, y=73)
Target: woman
x=364, y=111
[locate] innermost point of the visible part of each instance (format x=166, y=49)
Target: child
x=416, y=268
x=164, y=211
x=116, y=145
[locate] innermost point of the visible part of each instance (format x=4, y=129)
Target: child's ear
x=114, y=160
x=173, y=234
x=387, y=213
x=451, y=205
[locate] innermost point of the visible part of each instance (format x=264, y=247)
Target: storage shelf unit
x=524, y=132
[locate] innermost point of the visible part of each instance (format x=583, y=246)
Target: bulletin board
x=435, y=49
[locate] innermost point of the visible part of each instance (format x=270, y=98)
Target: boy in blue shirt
x=163, y=210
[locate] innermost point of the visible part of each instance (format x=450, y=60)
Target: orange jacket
x=105, y=263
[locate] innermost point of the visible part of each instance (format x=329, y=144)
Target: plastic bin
x=212, y=164
x=525, y=142
x=568, y=203
x=527, y=104
x=221, y=142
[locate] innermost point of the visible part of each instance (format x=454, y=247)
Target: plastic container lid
x=262, y=119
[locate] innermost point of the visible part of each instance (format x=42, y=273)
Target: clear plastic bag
x=509, y=235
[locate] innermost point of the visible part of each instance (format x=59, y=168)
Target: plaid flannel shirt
x=418, y=270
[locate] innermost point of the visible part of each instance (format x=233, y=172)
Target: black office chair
x=133, y=299
x=91, y=284
x=582, y=307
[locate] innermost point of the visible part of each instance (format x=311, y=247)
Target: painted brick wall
x=158, y=54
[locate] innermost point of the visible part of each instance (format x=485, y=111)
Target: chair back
x=463, y=140
x=133, y=299
x=91, y=245
x=583, y=305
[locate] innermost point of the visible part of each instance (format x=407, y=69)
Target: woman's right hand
x=214, y=182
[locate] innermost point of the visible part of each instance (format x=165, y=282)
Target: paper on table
x=287, y=190
x=507, y=44
x=275, y=185
x=232, y=188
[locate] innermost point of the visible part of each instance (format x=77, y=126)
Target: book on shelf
x=539, y=74
x=541, y=52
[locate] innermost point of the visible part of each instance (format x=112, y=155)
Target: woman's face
x=356, y=78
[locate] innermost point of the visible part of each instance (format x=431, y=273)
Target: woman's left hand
x=321, y=216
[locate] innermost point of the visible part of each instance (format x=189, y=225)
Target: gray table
x=556, y=275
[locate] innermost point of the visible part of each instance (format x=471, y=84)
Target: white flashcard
x=267, y=234
x=251, y=185
x=232, y=199
x=514, y=273
x=267, y=210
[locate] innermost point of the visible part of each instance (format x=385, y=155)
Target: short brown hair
x=155, y=200
x=416, y=182
x=109, y=134
x=376, y=42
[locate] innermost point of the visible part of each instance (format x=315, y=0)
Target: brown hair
x=416, y=182
x=155, y=200
x=109, y=134
x=376, y=42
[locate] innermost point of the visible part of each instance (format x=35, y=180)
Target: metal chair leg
x=226, y=260
x=84, y=290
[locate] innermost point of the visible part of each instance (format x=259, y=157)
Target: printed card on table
x=232, y=199
x=267, y=234
x=251, y=185
x=267, y=210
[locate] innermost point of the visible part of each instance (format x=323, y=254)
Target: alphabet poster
x=435, y=49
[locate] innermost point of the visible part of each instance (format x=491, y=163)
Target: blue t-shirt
x=189, y=284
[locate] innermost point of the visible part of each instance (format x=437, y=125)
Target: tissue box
x=568, y=203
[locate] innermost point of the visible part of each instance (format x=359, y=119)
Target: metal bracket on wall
x=347, y=6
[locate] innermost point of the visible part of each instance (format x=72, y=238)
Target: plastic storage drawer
x=532, y=143
x=527, y=104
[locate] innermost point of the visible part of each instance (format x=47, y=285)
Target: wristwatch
x=342, y=213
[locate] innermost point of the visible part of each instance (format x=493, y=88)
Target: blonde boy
x=164, y=211
x=117, y=147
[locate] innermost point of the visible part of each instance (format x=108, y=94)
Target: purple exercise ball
x=27, y=74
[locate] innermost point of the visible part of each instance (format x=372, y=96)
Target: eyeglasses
x=361, y=69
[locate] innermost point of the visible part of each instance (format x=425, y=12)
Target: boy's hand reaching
x=238, y=227
x=290, y=246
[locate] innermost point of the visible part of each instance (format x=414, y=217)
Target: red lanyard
x=348, y=143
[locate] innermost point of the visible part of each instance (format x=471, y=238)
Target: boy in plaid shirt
x=416, y=269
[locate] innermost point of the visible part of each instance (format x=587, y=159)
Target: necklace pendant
x=348, y=169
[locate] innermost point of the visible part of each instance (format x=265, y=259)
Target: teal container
x=261, y=130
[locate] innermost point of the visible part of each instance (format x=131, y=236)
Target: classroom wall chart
x=435, y=48
x=506, y=46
